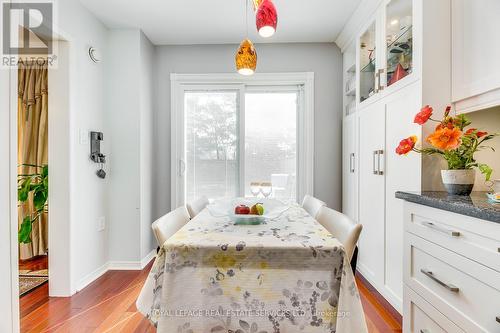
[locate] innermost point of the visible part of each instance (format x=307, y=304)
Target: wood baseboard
x=380, y=299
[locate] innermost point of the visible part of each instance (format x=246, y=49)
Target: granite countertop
x=476, y=205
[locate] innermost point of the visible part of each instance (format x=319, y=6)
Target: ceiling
x=222, y=21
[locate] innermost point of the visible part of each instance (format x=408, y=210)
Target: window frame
x=180, y=83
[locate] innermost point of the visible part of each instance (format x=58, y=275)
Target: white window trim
x=305, y=121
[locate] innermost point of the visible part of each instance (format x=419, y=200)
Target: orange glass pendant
x=266, y=18
x=246, y=58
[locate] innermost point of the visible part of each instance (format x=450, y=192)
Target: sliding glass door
x=212, y=144
x=271, y=140
x=234, y=135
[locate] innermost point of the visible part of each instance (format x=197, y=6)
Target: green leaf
x=39, y=199
x=486, y=171
x=45, y=171
x=23, y=190
x=25, y=231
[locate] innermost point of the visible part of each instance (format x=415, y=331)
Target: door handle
x=380, y=86
x=352, y=161
x=182, y=168
x=379, y=170
x=375, y=153
x=443, y=230
x=498, y=319
x=448, y=286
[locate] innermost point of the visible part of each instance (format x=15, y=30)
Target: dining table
x=285, y=275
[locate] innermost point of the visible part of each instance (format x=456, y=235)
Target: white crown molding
x=361, y=15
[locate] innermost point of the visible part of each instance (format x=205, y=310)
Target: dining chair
x=312, y=205
x=169, y=224
x=344, y=229
x=195, y=207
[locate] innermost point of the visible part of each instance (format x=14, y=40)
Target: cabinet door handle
x=448, y=286
x=375, y=153
x=380, y=154
x=498, y=319
x=352, y=161
x=443, y=230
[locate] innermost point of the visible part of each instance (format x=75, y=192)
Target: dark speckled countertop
x=476, y=205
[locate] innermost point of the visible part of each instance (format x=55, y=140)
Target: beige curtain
x=32, y=146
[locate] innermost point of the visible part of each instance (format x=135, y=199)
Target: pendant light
x=266, y=18
x=246, y=56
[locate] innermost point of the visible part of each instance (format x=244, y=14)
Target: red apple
x=242, y=210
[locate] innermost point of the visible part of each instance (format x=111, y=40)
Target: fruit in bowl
x=257, y=209
x=242, y=210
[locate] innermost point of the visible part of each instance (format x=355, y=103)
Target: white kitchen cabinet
x=475, y=54
x=447, y=260
x=372, y=192
x=385, y=118
x=350, y=167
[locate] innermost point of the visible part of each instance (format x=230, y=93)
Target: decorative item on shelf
x=266, y=18
x=456, y=144
x=399, y=73
x=246, y=56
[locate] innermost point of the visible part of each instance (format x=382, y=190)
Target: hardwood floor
x=108, y=305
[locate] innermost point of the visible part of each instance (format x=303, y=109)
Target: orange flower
x=406, y=145
x=424, y=115
x=446, y=138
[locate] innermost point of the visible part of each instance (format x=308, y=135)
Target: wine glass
x=266, y=188
x=255, y=188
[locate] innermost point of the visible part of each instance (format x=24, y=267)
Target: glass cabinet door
x=367, y=63
x=399, y=40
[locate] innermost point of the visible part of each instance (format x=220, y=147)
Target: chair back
x=195, y=207
x=169, y=224
x=312, y=205
x=341, y=227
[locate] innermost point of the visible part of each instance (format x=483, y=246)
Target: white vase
x=458, y=182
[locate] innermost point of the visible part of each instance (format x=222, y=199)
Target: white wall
x=489, y=121
x=87, y=192
x=323, y=59
x=129, y=87
x=123, y=105
x=9, y=306
x=147, y=54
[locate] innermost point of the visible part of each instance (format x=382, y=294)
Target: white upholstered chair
x=312, y=205
x=169, y=224
x=341, y=227
x=195, y=207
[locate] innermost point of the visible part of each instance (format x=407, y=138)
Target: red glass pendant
x=266, y=18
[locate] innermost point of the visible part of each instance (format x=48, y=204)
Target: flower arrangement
x=452, y=140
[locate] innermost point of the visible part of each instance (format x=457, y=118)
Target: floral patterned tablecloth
x=287, y=275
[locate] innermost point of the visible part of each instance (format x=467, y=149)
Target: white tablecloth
x=287, y=275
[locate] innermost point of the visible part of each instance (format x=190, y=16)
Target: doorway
x=32, y=175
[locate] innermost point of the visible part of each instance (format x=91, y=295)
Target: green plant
x=38, y=185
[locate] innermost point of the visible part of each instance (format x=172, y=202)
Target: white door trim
x=179, y=82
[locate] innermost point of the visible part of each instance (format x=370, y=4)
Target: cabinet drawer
x=473, y=238
x=421, y=317
x=464, y=291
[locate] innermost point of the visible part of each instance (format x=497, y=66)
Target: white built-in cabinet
x=350, y=167
x=384, y=114
x=475, y=54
